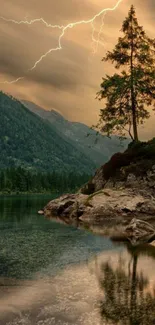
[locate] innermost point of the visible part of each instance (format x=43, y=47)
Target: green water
x=53, y=274
x=30, y=244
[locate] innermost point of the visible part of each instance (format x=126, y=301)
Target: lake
x=54, y=274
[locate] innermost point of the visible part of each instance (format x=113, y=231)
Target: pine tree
x=130, y=93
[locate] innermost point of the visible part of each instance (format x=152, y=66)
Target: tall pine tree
x=130, y=93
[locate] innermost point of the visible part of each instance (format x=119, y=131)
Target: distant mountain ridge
x=29, y=141
x=98, y=148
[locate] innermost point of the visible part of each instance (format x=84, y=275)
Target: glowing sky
x=66, y=80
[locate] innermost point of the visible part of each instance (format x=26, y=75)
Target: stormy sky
x=66, y=80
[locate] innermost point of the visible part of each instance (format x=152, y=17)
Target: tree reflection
x=127, y=300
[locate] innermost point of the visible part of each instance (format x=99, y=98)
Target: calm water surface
x=53, y=274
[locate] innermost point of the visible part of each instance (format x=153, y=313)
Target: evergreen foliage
x=28, y=141
x=97, y=147
x=130, y=93
x=20, y=180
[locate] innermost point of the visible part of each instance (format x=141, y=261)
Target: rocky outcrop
x=135, y=168
x=122, y=189
x=67, y=207
x=102, y=211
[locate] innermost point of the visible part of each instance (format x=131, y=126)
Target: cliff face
x=135, y=169
x=122, y=189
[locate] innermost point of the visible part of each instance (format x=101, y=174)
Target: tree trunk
x=133, y=104
x=134, y=120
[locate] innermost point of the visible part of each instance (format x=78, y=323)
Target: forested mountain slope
x=27, y=140
x=98, y=148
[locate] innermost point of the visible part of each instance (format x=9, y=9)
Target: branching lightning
x=63, y=29
x=32, y=21
x=97, y=41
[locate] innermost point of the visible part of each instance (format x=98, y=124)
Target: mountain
x=29, y=141
x=98, y=148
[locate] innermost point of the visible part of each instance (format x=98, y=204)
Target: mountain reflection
x=128, y=298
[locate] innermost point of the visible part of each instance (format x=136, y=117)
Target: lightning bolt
x=63, y=30
x=32, y=21
x=11, y=82
x=97, y=42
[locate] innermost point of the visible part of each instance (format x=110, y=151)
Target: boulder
x=139, y=232
x=41, y=212
x=68, y=206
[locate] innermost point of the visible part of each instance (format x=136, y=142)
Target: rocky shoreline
x=122, y=189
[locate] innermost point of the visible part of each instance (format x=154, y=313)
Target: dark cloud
x=61, y=70
x=68, y=79
x=53, y=11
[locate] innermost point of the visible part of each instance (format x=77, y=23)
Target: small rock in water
x=40, y=212
x=139, y=232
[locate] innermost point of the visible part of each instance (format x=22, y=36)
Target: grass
x=87, y=202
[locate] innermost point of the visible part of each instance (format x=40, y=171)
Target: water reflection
x=51, y=274
x=115, y=287
x=15, y=209
x=128, y=298
x=31, y=244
